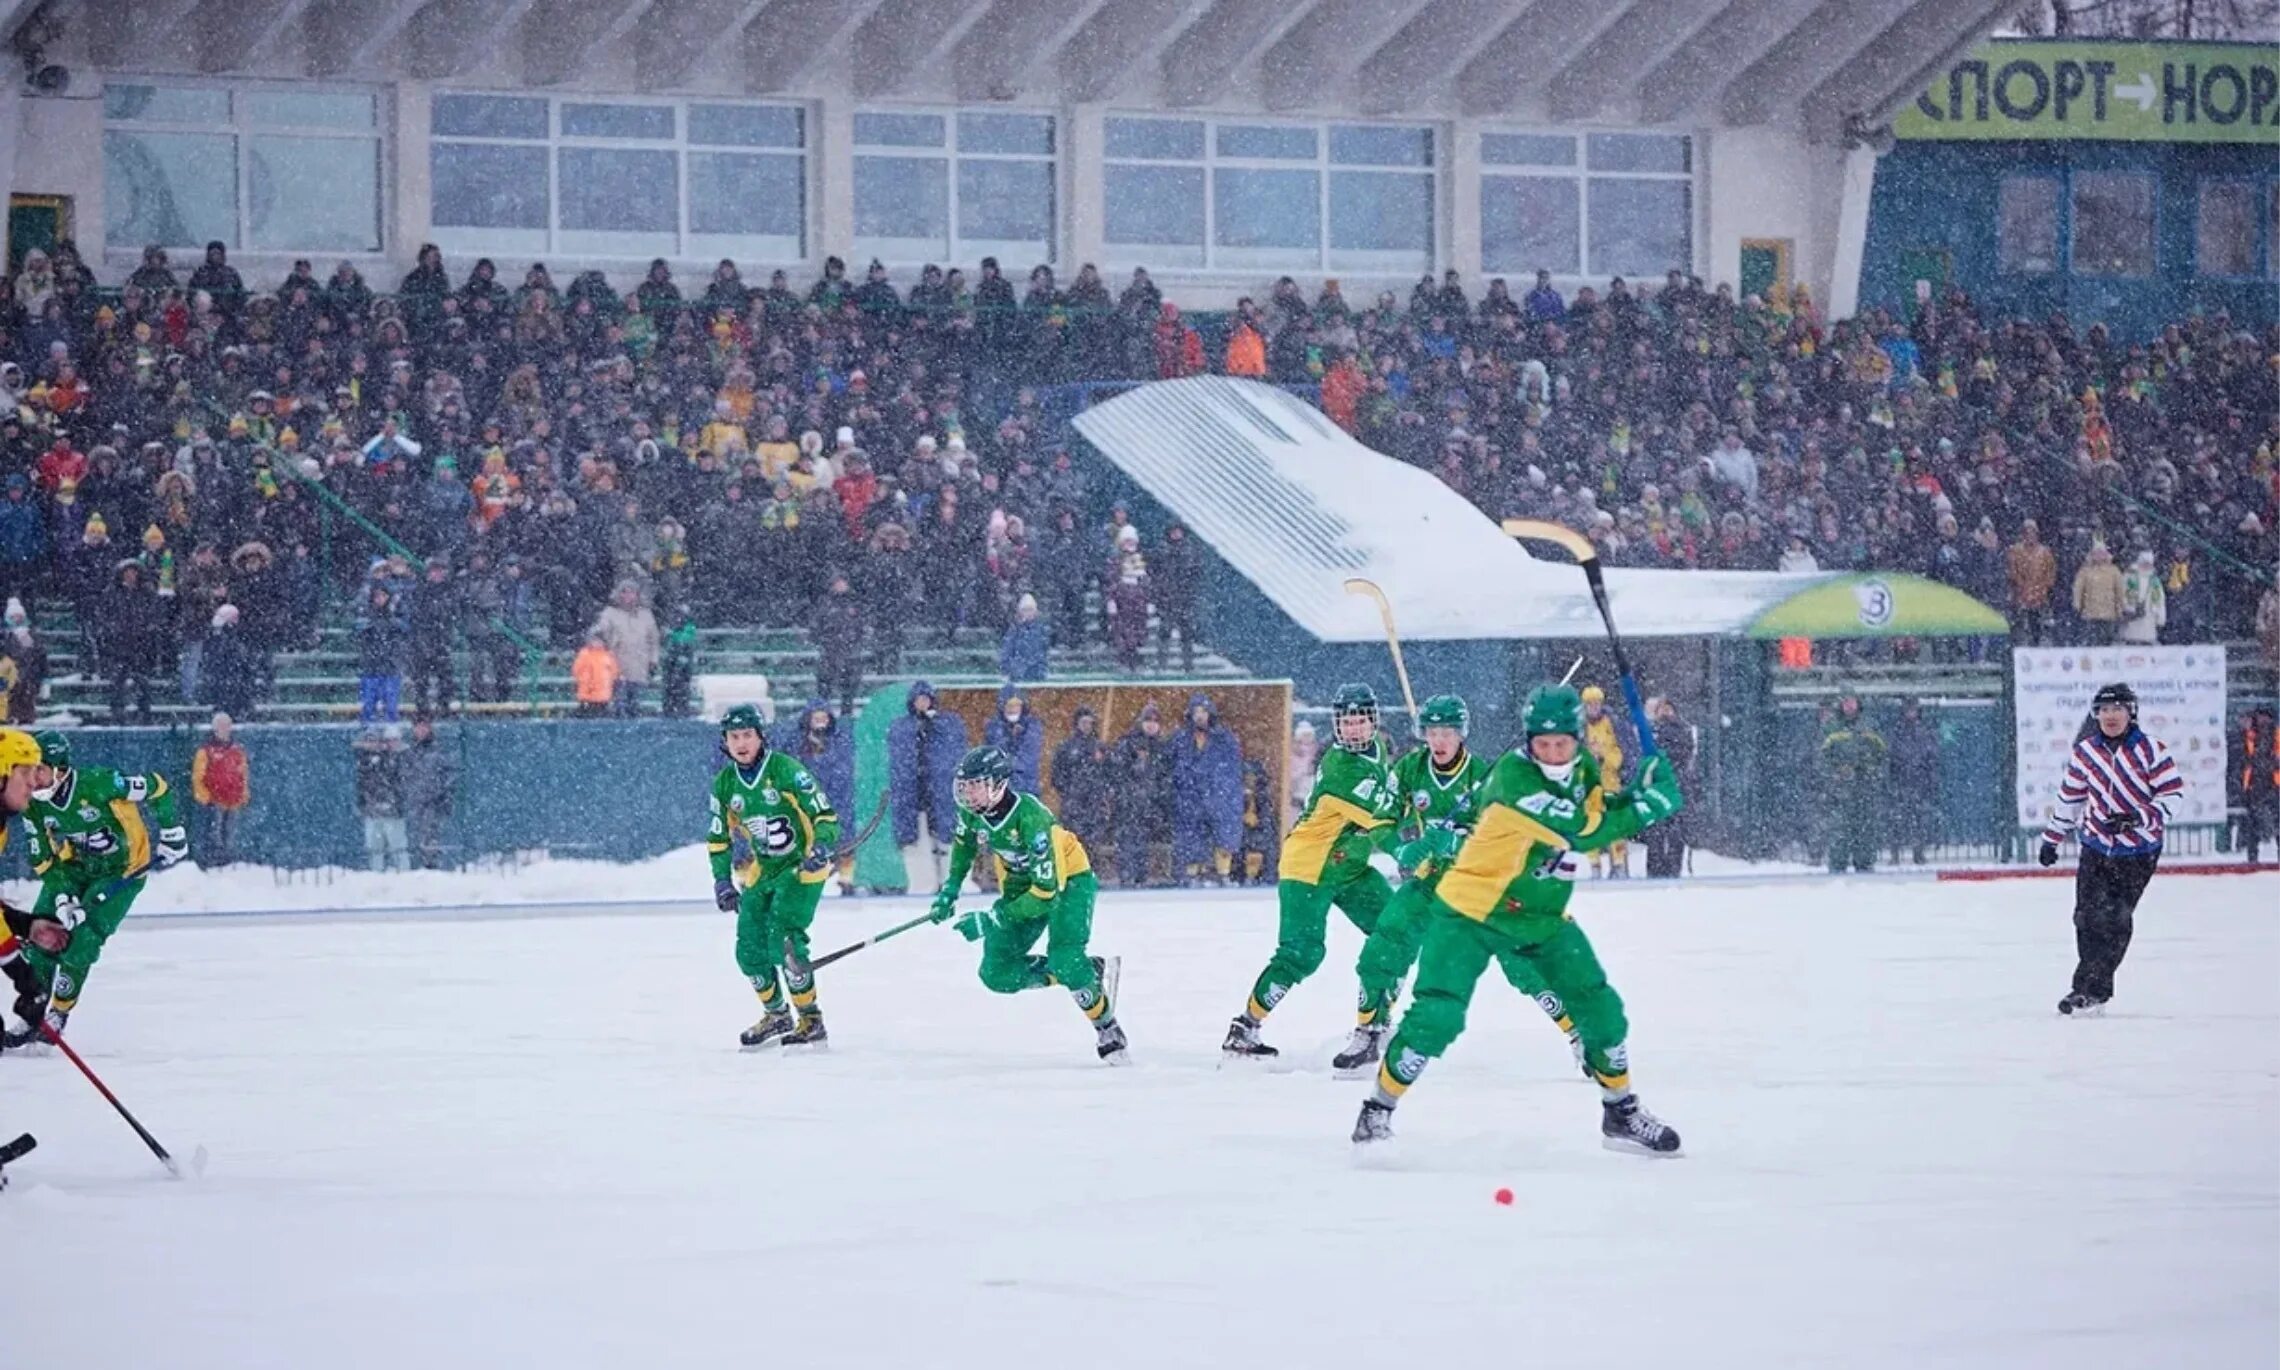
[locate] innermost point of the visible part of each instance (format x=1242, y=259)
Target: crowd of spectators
x=582, y=465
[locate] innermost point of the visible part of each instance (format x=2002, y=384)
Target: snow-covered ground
x=530, y=1141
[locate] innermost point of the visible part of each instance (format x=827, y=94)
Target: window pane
x=1006, y=202
x=1156, y=206
x=1638, y=152
x=166, y=104
x=1264, y=140
x=1531, y=222
x=2225, y=233
x=1266, y=218
x=734, y=192
x=2026, y=224
x=1029, y=133
x=2113, y=223
x=489, y=116
x=617, y=121
x=899, y=130
x=1527, y=149
x=1155, y=138
x=483, y=186
x=619, y=190
x=1640, y=228
x=747, y=125
x=1381, y=219
x=313, y=194
x=344, y=109
x=902, y=207
x=1369, y=145
x=172, y=189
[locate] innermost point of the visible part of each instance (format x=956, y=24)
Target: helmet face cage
x=1366, y=711
x=979, y=793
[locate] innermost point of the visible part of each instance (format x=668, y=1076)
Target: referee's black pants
x=2106, y=893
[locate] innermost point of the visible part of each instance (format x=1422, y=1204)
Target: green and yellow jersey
x=92, y=830
x=1352, y=811
x=1515, y=861
x=1035, y=855
x=1433, y=797
x=780, y=813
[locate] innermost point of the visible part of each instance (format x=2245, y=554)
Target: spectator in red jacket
x=221, y=784
x=61, y=462
x=1179, y=348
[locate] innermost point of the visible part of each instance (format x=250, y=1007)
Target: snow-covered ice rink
x=531, y=1141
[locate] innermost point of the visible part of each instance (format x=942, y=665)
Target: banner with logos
x=2115, y=91
x=2181, y=701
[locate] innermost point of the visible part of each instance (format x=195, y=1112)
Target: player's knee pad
x=1069, y=968
x=1434, y=1020
x=1005, y=977
x=1302, y=958
x=1598, y=1016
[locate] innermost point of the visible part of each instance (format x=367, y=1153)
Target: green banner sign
x=2129, y=92
x=1879, y=606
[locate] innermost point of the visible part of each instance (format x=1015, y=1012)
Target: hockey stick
x=17, y=1149
x=173, y=1167
x=1587, y=556
x=806, y=968
x=847, y=848
x=1356, y=585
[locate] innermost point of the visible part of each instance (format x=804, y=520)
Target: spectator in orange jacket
x=595, y=673
x=1246, y=345
x=1342, y=389
x=221, y=785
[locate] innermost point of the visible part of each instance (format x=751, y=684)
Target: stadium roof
x=1704, y=63
x=1297, y=507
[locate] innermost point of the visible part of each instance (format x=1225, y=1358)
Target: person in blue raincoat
x=1018, y=733
x=923, y=748
x=814, y=738
x=1207, y=795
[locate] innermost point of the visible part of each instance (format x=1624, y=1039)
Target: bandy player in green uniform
x=93, y=852
x=770, y=800
x=1438, y=783
x=1046, y=889
x=1505, y=897
x=1326, y=861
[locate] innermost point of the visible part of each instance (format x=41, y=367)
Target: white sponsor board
x=2181, y=701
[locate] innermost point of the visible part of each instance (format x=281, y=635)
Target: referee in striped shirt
x=2115, y=797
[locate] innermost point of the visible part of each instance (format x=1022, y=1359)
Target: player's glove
x=972, y=923
x=724, y=895
x=173, y=847
x=1655, y=794
x=945, y=905
x=2122, y=820
x=2048, y=854
x=817, y=859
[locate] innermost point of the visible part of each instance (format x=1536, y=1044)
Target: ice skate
x=770, y=1031
x=1243, y=1042
x=1374, y=1125
x=2080, y=1005
x=809, y=1034
x=1363, y=1050
x=1625, y=1125
x=1111, y=1043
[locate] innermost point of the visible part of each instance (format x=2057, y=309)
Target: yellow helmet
x=1592, y=694
x=17, y=748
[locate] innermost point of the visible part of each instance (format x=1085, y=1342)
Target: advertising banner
x=2181, y=701
x=2119, y=91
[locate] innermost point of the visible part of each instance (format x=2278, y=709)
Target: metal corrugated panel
x=1295, y=505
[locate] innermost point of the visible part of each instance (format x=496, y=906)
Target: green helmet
x=55, y=748
x=1353, y=701
x=1552, y=709
x=981, y=778
x=1445, y=711
x=737, y=719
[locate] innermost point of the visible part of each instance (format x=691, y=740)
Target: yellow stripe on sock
x=1257, y=1010
x=768, y=997
x=1564, y=1023
x=1099, y=1007
x=1386, y=1081
x=1618, y=1084
x=1365, y=1017
x=803, y=998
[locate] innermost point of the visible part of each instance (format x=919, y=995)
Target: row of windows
x=2110, y=222
x=637, y=178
